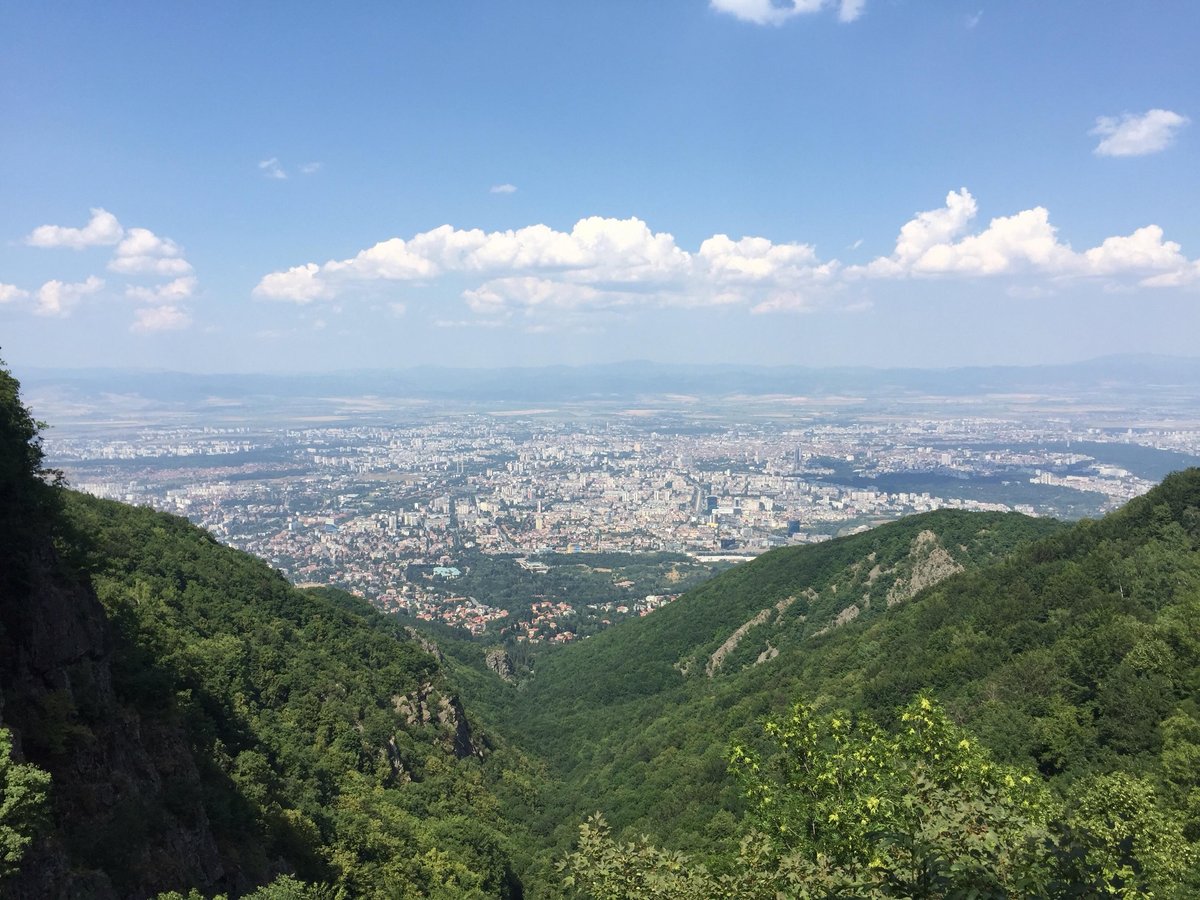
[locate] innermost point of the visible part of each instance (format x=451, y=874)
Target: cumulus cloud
x=929, y=229
x=1144, y=250
x=1137, y=135
x=139, y=251
x=57, y=298
x=754, y=258
x=618, y=264
x=503, y=189
x=10, y=292
x=600, y=262
x=144, y=252
x=271, y=168
x=102, y=229
x=150, y=319
x=596, y=250
x=298, y=284
x=171, y=292
x=776, y=12
x=936, y=242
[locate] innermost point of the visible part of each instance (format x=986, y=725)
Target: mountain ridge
x=209, y=726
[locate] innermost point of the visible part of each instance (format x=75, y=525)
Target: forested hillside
x=954, y=704
x=206, y=725
x=638, y=719
x=1075, y=658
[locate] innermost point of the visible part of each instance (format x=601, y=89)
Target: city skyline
x=841, y=183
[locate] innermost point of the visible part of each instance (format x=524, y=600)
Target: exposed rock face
x=427, y=644
x=123, y=787
x=931, y=563
x=501, y=663
x=429, y=706
x=767, y=655
x=731, y=642
x=845, y=617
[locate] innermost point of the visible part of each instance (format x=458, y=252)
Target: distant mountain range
x=64, y=390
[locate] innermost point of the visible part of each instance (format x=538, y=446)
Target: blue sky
x=271, y=186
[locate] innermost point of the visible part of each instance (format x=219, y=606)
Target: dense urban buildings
x=401, y=513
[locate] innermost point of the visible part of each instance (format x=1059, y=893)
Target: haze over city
x=308, y=188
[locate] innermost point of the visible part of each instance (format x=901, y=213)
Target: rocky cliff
x=123, y=787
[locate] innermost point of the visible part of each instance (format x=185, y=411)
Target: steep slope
x=106, y=760
x=637, y=719
x=1078, y=653
x=206, y=725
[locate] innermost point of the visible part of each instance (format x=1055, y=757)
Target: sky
x=231, y=187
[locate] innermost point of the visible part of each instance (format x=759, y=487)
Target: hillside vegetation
x=951, y=705
x=637, y=720
x=206, y=725
x=1075, y=657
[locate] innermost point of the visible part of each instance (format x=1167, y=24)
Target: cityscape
x=429, y=517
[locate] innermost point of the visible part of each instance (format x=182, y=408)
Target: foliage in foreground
x=22, y=805
x=838, y=808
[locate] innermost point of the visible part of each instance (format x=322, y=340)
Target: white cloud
x=1137, y=135
x=57, y=298
x=614, y=264
x=138, y=250
x=150, y=319
x=929, y=229
x=935, y=242
x=1144, y=250
x=311, y=168
x=1187, y=274
x=144, y=252
x=272, y=169
x=299, y=284
x=599, y=262
x=499, y=295
x=776, y=12
x=1022, y=241
x=502, y=189
x=974, y=20
x=171, y=292
x=754, y=259
x=102, y=229
x=10, y=292
x=851, y=10
x=596, y=250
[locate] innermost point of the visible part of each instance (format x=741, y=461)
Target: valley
x=295, y=740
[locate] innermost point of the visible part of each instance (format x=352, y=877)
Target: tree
x=840, y=808
x=26, y=502
x=20, y=445
x=23, y=804
x=843, y=807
